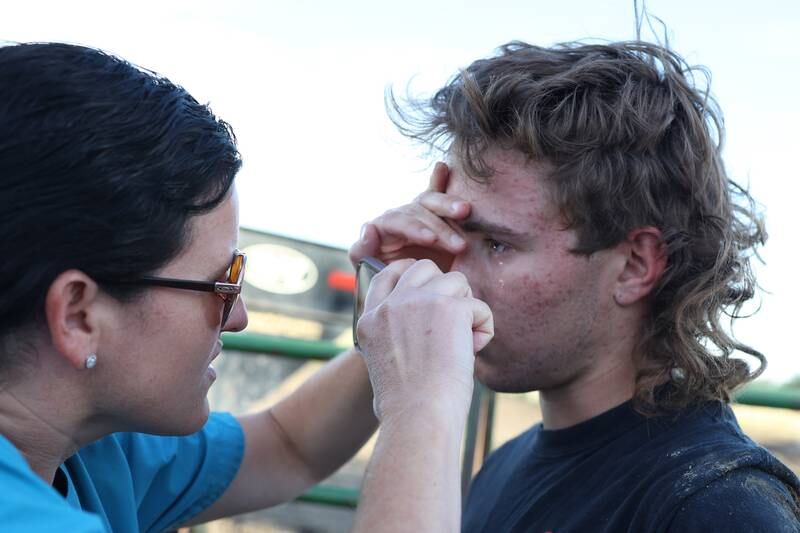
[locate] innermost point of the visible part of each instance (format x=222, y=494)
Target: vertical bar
x=487, y=435
x=470, y=438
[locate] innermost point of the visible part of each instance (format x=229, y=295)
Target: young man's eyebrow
x=478, y=225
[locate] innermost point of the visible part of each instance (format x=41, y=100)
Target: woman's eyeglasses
x=228, y=290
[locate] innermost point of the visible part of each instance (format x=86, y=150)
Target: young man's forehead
x=495, y=158
x=513, y=191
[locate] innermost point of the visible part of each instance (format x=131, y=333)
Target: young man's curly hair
x=631, y=142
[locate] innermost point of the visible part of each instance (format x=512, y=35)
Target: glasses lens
x=235, y=276
x=367, y=269
x=236, y=272
x=227, y=307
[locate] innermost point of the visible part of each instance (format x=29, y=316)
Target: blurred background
x=303, y=85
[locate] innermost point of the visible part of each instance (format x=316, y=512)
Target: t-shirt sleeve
x=176, y=478
x=29, y=505
x=746, y=500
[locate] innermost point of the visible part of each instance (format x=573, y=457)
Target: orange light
x=342, y=281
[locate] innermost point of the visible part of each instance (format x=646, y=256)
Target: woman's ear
x=645, y=262
x=70, y=309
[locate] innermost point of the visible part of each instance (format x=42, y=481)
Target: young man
x=586, y=202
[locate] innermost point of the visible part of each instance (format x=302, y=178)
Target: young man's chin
x=502, y=378
x=493, y=377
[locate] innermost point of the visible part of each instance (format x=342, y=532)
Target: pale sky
x=303, y=82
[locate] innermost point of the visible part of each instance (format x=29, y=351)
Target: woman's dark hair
x=102, y=166
x=632, y=142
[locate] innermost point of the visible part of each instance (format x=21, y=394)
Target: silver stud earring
x=91, y=361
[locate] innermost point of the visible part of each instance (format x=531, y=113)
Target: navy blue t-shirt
x=621, y=471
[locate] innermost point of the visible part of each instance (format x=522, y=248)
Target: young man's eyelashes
x=496, y=247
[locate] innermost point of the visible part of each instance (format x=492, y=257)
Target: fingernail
x=456, y=206
x=456, y=240
x=427, y=234
x=363, y=232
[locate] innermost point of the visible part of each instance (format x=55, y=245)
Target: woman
x=115, y=183
x=119, y=226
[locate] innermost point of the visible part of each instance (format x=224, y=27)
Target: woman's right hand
x=419, y=334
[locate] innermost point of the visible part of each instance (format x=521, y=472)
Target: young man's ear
x=646, y=260
x=69, y=305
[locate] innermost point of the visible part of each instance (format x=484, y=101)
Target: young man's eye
x=497, y=247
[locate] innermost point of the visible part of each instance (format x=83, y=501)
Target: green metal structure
x=478, y=437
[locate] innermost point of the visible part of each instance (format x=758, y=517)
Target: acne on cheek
x=542, y=296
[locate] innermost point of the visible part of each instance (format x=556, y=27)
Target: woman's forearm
x=413, y=480
x=330, y=416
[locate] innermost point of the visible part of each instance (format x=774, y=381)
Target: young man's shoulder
x=622, y=471
x=745, y=499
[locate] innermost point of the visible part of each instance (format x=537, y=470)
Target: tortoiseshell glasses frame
x=229, y=290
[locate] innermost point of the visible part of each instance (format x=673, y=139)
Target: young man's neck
x=588, y=396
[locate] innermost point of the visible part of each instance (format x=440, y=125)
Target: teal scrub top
x=125, y=482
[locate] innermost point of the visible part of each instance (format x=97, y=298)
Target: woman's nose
x=237, y=320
